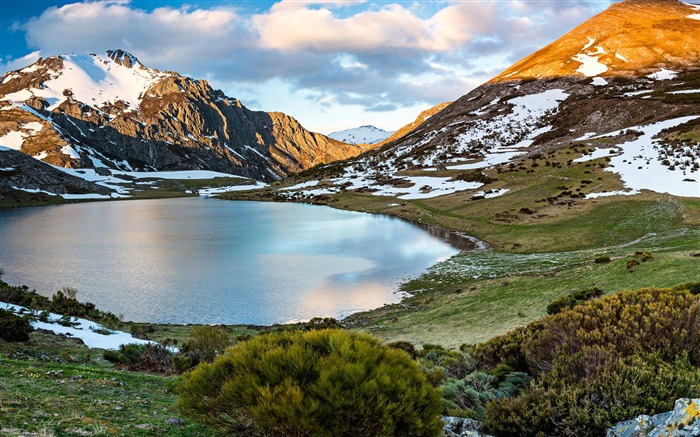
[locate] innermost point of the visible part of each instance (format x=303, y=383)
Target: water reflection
x=209, y=261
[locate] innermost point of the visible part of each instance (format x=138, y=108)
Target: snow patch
x=590, y=66
x=620, y=57
x=300, y=186
x=694, y=16
x=68, y=150
x=86, y=330
x=208, y=192
x=611, y=193
x=640, y=167
x=684, y=92
x=13, y=140
x=663, y=74
x=599, y=81
x=33, y=126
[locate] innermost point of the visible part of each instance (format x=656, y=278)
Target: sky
x=331, y=64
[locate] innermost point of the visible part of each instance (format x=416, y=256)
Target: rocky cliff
x=109, y=110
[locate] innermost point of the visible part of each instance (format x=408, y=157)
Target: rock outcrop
x=683, y=421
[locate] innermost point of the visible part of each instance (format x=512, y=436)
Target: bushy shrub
x=405, y=346
x=150, y=357
x=631, y=265
x=692, y=287
x=206, y=343
x=570, y=300
x=14, y=327
x=599, y=363
x=322, y=323
x=320, y=383
x=602, y=260
x=469, y=396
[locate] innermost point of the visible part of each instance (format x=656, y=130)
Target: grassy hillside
x=477, y=295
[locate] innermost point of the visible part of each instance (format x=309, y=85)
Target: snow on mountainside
x=110, y=111
x=611, y=89
x=361, y=135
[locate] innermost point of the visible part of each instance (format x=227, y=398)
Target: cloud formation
x=383, y=55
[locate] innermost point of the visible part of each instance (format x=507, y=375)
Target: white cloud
x=16, y=64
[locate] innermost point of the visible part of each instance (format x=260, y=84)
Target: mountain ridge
x=111, y=111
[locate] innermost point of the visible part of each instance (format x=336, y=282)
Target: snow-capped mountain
x=621, y=92
x=361, y=135
x=109, y=110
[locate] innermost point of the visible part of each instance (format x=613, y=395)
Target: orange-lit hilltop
x=624, y=87
x=629, y=38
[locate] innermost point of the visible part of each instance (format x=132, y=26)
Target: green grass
x=500, y=291
x=53, y=386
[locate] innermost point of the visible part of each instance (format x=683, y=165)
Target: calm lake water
x=210, y=261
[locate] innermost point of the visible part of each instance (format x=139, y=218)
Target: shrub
x=150, y=357
x=14, y=327
x=596, y=364
x=405, y=346
x=631, y=264
x=206, y=343
x=469, y=396
x=320, y=383
x=572, y=299
x=322, y=323
x=602, y=260
x=692, y=287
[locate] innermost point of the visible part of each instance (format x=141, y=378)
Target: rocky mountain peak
x=124, y=58
x=109, y=110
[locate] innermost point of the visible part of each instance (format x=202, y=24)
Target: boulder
x=683, y=421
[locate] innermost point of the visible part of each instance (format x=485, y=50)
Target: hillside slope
x=549, y=145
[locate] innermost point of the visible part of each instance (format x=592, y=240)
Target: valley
x=523, y=259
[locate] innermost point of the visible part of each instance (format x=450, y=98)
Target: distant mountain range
x=109, y=110
x=361, y=135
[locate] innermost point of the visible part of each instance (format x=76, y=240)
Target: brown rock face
x=178, y=124
x=629, y=38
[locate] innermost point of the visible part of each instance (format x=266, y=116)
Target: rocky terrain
x=109, y=110
x=23, y=178
x=620, y=92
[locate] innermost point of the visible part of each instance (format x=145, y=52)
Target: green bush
x=206, y=343
x=469, y=396
x=14, y=327
x=631, y=265
x=602, y=260
x=150, y=357
x=405, y=346
x=320, y=383
x=572, y=299
x=599, y=363
x=692, y=287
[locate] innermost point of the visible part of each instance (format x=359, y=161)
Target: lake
x=196, y=260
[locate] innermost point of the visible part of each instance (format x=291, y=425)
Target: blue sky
x=331, y=64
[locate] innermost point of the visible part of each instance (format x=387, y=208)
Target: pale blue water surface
x=209, y=261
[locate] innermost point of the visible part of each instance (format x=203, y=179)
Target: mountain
x=25, y=180
x=617, y=97
x=361, y=135
x=109, y=110
x=422, y=117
